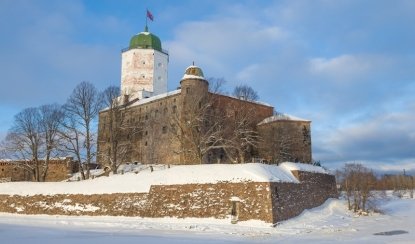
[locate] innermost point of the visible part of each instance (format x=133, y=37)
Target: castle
x=192, y=124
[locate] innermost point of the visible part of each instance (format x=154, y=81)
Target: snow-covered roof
x=251, y=101
x=154, y=98
x=282, y=117
x=150, y=99
x=131, y=182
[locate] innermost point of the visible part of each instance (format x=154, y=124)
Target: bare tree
x=240, y=133
x=33, y=140
x=216, y=85
x=277, y=144
x=198, y=129
x=24, y=141
x=358, y=182
x=245, y=92
x=71, y=140
x=114, y=119
x=51, y=117
x=84, y=104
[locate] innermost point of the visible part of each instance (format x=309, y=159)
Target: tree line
x=39, y=134
x=361, y=186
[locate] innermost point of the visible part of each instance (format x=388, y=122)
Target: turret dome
x=193, y=72
x=145, y=40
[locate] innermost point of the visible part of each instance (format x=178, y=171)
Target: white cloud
x=347, y=67
x=383, y=137
x=249, y=73
x=224, y=45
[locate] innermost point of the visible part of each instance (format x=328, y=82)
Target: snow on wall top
x=289, y=166
x=131, y=182
x=279, y=117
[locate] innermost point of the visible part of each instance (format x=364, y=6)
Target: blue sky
x=349, y=66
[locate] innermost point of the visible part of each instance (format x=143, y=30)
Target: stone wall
x=290, y=199
x=151, y=131
x=193, y=200
x=285, y=141
x=269, y=202
x=145, y=136
x=11, y=171
x=58, y=169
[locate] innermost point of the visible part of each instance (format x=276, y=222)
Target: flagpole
x=146, y=18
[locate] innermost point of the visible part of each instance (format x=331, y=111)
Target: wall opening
x=234, y=209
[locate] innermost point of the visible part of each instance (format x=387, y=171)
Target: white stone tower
x=144, y=67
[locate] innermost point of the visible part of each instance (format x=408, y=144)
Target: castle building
x=192, y=124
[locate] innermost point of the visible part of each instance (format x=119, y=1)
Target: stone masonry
x=270, y=202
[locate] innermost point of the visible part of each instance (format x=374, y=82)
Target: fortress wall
x=290, y=199
x=270, y=202
x=192, y=200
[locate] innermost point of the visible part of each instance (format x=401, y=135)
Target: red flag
x=150, y=15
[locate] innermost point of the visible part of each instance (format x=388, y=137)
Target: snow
x=156, y=97
x=235, y=199
x=150, y=99
x=329, y=223
x=140, y=178
x=280, y=117
x=186, y=76
x=289, y=166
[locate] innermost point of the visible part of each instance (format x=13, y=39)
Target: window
x=164, y=129
x=174, y=109
x=145, y=144
x=187, y=90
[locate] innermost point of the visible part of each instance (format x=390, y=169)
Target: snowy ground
x=326, y=224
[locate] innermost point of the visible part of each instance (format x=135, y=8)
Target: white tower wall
x=143, y=73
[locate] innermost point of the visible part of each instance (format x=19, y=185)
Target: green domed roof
x=145, y=40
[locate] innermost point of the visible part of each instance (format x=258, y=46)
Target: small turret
x=193, y=81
